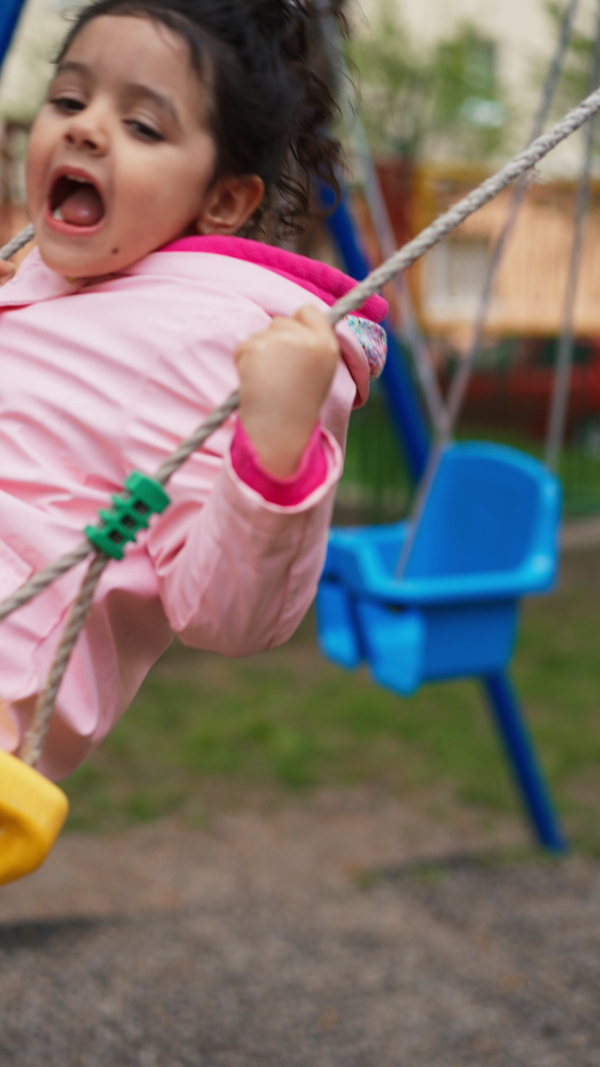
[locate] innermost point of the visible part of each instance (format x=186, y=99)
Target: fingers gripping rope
x=397, y=263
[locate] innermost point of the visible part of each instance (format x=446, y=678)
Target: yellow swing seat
x=32, y=813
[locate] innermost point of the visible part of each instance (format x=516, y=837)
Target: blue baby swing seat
x=488, y=535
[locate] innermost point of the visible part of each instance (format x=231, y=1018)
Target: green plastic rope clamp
x=128, y=516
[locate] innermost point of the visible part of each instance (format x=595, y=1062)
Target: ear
x=230, y=204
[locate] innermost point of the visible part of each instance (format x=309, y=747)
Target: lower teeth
x=57, y=214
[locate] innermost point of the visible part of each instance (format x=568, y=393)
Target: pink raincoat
x=100, y=379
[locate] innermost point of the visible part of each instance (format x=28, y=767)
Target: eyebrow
x=161, y=100
x=132, y=89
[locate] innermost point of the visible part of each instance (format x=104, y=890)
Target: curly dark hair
x=271, y=99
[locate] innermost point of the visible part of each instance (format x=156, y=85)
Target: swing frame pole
x=526, y=770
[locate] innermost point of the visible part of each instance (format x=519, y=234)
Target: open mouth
x=76, y=201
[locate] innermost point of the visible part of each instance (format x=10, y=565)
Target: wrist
x=311, y=474
x=279, y=447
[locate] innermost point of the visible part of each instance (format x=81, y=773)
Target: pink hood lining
x=318, y=278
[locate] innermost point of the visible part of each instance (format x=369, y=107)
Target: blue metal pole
x=402, y=397
x=524, y=763
x=10, y=12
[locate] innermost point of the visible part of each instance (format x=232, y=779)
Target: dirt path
x=301, y=938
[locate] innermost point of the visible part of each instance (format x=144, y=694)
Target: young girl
x=170, y=128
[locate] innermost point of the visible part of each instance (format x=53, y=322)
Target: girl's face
x=120, y=158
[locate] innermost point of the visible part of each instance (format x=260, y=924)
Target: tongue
x=82, y=207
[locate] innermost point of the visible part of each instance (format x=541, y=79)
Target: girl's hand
x=7, y=271
x=285, y=375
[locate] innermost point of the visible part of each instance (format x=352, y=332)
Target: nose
x=87, y=131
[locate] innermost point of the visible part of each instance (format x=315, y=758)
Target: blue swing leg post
x=9, y=17
x=529, y=777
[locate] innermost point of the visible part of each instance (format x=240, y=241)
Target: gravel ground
x=312, y=936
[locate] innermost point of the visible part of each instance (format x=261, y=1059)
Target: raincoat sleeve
x=236, y=572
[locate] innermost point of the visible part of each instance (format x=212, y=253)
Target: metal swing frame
x=499, y=690
x=411, y=426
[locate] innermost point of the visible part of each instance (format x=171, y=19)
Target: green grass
x=206, y=732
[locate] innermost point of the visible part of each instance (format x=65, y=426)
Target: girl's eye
x=67, y=104
x=147, y=133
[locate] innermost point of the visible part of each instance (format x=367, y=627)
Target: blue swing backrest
x=487, y=537
x=491, y=509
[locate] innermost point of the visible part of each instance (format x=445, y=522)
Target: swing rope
x=352, y=300
x=35, y=737
x=417, y=346
x=564, y=359
x=17, y=243
x=458, y=388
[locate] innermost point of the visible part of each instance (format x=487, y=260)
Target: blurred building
x=532, y=279
x=516, y=40
x=519, y=31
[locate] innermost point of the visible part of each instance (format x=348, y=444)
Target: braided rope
x=23, y=238
x=35, y=737
x=556, y=66
x=564, y=359
x=49, y=574
x=400, y=261
x=458, y=388
x=418, y=349
x=475, y=200
x=460, y=383
x=197, y=439
x=43, y=579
